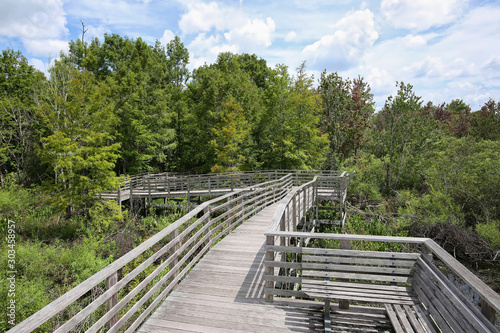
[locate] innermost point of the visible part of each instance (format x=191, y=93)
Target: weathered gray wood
x=486, y=293
x=110, y=282
x=394, y=319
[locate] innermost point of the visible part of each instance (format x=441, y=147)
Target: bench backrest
x=363, y=266
x=448, y=307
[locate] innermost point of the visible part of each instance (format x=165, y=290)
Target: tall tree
x=18, y=83
x=275, y=124
x=138, y=76
x=308, y=145
x=486, y=122
x=77, y=118
x=210, y=88
x=178, y=75
x=230, y=133
x=401, y=133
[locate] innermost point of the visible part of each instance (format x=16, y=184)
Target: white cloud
x=167, y=37
x=254, y=33
x=415, y=41
x=205, y=49
x=421, y=15
x=353, y=34
x=50, y=48
x=202, y=17
x=291, y=36
x=32, y=19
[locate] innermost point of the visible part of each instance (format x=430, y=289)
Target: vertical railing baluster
x=113, y=300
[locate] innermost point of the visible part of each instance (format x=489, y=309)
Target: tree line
x=119, y=106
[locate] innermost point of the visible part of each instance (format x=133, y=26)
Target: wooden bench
x=416, y=295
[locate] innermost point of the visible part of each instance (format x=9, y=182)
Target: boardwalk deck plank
x=225, y=291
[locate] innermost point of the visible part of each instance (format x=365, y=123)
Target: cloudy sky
x=446, y=49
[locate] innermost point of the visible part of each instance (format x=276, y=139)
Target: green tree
x=486, y=122
x=308, y=145
x=466, y=170
x=275, y=124
x=178, y=75
x=348, y=106
x=400, y=134
x=18, y=83
x=77, y=118
x=230, y=133
x=210, y=88
x=138, y=76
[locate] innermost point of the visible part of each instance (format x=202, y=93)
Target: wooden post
x=120, y=198
x=208, y=210
x=131, y=196
x=174, y=262
x=426, y=252
x=344, y=245
x=488, y=312
x=294, y=214
x=110, y=282
x=269, y=269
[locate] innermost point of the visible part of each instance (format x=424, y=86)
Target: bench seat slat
x=369, y=287
x=330, y=291
x=408, y=318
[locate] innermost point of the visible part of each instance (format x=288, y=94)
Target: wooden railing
x=146, y=184
x=285, y=247
x=124, y=293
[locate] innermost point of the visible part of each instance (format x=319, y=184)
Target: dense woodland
x=118, y=106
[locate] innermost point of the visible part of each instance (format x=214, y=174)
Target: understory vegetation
x=117, y=107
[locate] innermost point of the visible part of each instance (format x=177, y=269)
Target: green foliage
x=18, y=83
x=104, y=214
x=399, y=135
x=229, y=135
x=486, y=122
x=348, y=106
x=491, y=232
x=77, y=120
x=45, y=272
x=368, y=180
x=306, y=147
x=432, y=208
x=467, y=171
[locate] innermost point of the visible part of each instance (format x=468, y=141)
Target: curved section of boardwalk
x=225, y=291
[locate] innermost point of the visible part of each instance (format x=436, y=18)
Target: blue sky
x=446, y=49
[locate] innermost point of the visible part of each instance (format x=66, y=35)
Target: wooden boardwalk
x=225, y=291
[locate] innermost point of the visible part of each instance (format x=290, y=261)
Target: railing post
x=120, y=198
x=131, y=195
x=269, y=284
x=113, y=300
x=149, y=193
x=345, y=244
x=294, y=212
x=174, y=262
x=488, y=312
x=208, y=210
x=426, y=252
